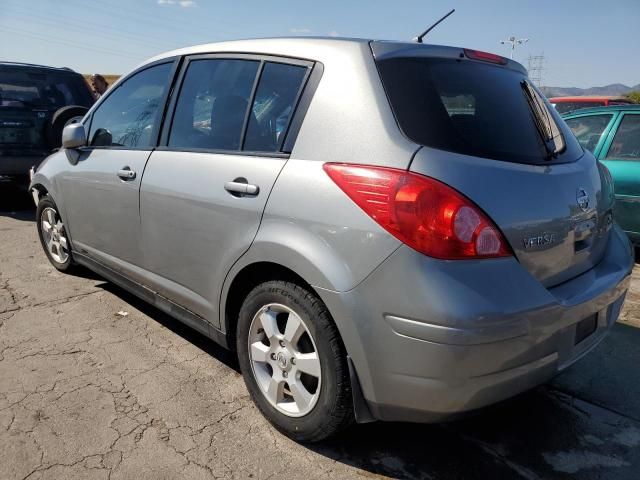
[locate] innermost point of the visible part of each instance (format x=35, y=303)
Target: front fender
x=39, y=182
x=45, y=178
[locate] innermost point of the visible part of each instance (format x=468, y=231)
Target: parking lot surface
x=95, y=384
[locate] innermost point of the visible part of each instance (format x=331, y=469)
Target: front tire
x=53, y=235
x=293, y=361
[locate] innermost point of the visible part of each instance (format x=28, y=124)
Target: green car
x=613, y=135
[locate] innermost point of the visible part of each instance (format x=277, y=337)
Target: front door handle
x=126, y=174
x=241, y=188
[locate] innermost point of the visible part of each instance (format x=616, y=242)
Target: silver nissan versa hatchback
x=381, y=230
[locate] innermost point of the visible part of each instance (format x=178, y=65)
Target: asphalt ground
x=86, y=392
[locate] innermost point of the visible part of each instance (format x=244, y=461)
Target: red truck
x=569, y=104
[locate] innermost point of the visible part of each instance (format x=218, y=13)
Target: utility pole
x=513, y=41
x=535, y=67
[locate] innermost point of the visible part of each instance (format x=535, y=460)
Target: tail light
x=423, y=213
x=484, y=56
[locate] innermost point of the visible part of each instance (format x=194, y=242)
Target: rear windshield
x=477, y=109
x=42, y=90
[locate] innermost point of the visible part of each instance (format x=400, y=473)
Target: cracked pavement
x=89, y=394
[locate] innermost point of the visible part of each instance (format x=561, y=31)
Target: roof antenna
x=424, y=34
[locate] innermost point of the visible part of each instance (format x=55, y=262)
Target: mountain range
x=613, y=89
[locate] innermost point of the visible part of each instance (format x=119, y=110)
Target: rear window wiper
x=542, y=122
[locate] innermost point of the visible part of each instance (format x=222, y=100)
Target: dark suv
x=36, y=102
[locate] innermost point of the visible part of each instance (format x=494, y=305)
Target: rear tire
x=307, y=407
x=53, y=236
x=64, y=116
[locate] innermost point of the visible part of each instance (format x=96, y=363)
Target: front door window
x=129, y=116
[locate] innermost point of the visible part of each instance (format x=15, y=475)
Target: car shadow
x=540, y=434
x=609, y=375
x=477, y=447
x=554, y=431
x=15, y=202
x=192, y=336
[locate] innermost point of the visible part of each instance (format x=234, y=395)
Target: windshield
x=477, y=109
x=43, y=90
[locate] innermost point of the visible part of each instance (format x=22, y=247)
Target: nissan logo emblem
x=583, y=199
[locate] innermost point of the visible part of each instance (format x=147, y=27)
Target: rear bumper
x=432, y=339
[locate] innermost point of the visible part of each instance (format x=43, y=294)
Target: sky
x=585, y=42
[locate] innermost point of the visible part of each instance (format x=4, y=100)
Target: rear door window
x=213, y=104
x=476, y=109
x=626, y=142
x=274, y=102
x=588, y=129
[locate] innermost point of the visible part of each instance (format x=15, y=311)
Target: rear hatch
x=22, y=132
x=29, y=96
x=489, y=133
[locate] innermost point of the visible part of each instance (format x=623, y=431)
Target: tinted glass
x=588, y=129
x=23, y=88
x=475, y=109
x=626, y=143
x=564, y=107
x=273, y=105
x=213, y=104
x=129, y=115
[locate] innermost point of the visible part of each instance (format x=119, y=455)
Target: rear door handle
x=126, y=174
x=241, y=188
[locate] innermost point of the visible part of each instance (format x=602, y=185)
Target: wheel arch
x=40, y=186
x=246, y=279
x=37, y=192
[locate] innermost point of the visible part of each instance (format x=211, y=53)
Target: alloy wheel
x=284, y=360
x=54, y=235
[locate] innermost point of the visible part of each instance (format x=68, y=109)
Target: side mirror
x=74, y=136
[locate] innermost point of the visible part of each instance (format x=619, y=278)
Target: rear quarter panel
x=311, y=227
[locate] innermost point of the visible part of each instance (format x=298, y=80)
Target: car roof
x=609, y=109
x=320, y=49
x=287, y=46
x=35, y=66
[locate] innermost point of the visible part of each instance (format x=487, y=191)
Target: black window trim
x=308, y=88
x=614, y=133
x=294, y=122
x=160, y=115
x=252, y=98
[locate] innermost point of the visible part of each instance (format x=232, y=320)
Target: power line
x=535, y=68
x=176, y=19
x=150, y=21
x=90, y=27
x=51, y=39
x=93, y=32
